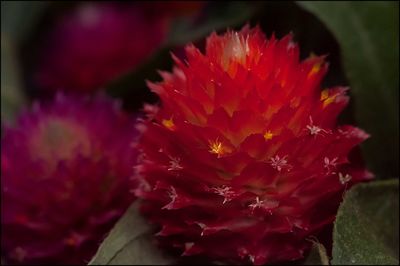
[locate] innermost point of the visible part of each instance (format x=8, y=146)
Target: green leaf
x=318, y=255
x=368, y=35
x=19, y=17
x=366, y=230
x=219, y=17
x=130, y=243
x=12, y=97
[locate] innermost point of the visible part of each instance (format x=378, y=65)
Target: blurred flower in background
x=65, y=169
x=96, y=42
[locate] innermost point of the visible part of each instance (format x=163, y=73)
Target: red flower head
x=65, y=171
x=244, y=161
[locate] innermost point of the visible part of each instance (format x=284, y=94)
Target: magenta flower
x=97, y=42
x=65, y=173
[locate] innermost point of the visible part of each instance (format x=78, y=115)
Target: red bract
x=65, y=170
x=243, y=160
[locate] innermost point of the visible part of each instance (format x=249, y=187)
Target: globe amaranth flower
x=65, y=173
x=244, y=160
x=95, y=43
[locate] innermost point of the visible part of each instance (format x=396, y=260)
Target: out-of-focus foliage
x=219, y=16
x=12, y=97
x=17, y=19
x=20, y=17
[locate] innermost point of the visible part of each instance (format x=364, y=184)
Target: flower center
x=268, y=135
x=57, y=139
x=216, y=147
x=169, y=123
x=237, y=48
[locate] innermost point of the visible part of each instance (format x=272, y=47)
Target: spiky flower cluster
x=244, y=160
x=65, y=170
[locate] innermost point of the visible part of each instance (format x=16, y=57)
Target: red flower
x=244, y=160
x=65, y=172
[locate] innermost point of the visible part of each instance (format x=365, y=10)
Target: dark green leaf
x=130, y=243
x=18, y=17
x=11, y=95
x=366, y=230
x=219, y=16
x=369, y=39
